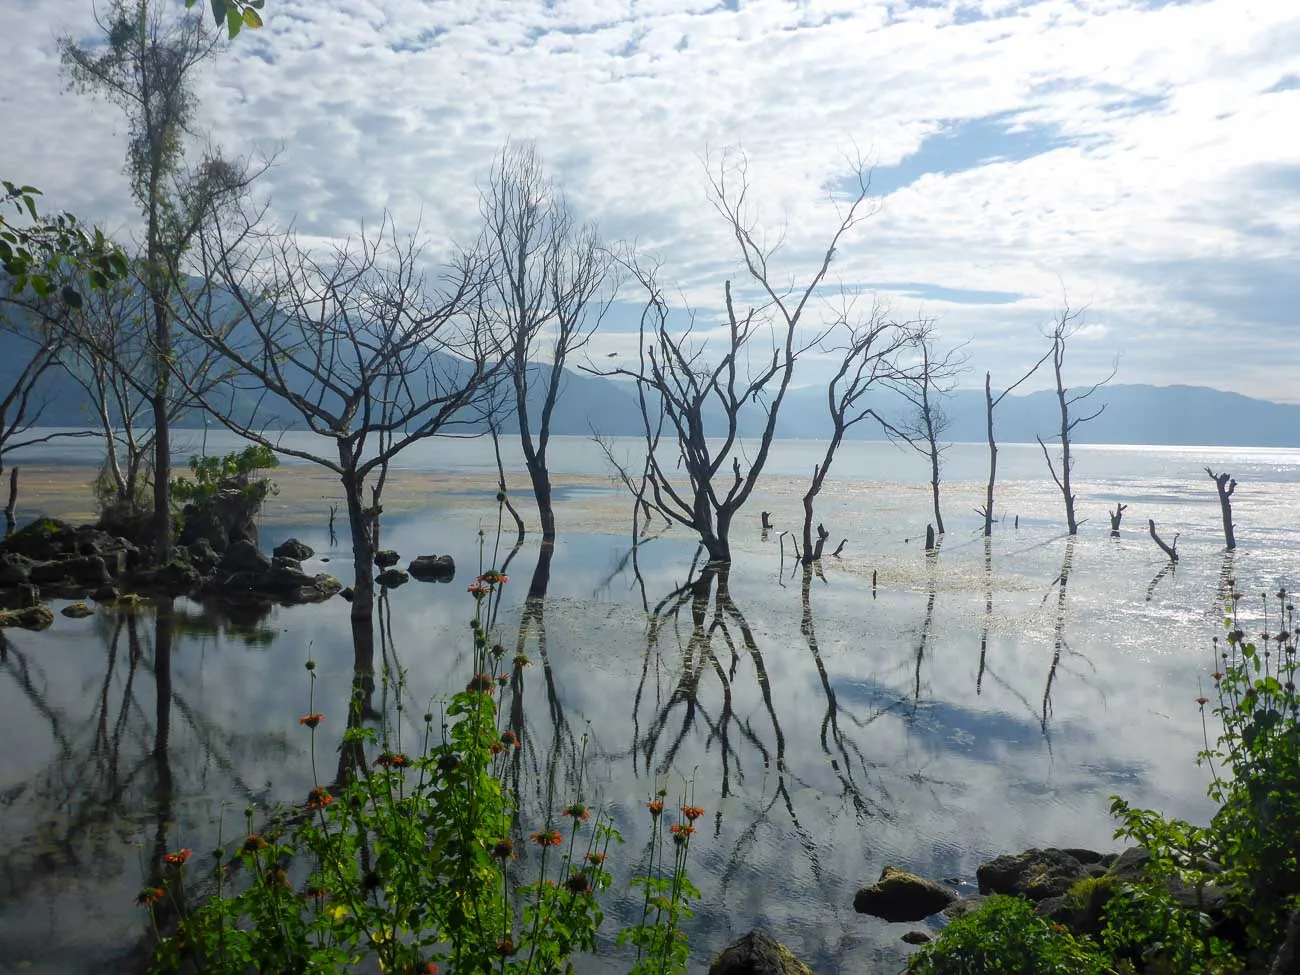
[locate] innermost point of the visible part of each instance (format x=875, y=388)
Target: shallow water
x=962, y=709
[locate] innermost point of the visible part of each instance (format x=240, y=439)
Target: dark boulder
x=1034, y=874
x=43, y=540
x=77, y=611
x=15, y=569
x=243, y=556
x=37, y=617
x=291, y=548
x=20, y=596
x=965, y=905
x=84, y=570
x=432, y=568
x=386, y=557
x=757, y=953
x=392, y=578
x=202, y=555
x=348, y=593
x=917, y=938
x=176, y=577
x=902, y=896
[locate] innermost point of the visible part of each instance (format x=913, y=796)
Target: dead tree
x=1226, y=485
x=990, y=404
x=924, y=388
x=869, y=353
x=1066, y=325
x=1169, y=550
x=355, y=343
x=1115, y=517
x=699, y=399
x=547, y=289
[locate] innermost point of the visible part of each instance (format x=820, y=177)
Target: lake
x=967, y=705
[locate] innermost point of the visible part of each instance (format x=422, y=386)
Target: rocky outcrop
x=392, y=578
x=228, y=517
x=1034, y=874
x=386, y=557
x=29, y=618
x=757, y=953
x=432, y=568
x=902, y=896
x=77, y=611
x=291, y=548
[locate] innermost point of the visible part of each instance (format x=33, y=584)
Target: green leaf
x=71, y=297
x=218, y=11
x=234, y=21
x=252, y=18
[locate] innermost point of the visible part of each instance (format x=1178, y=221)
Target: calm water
x=963, y=709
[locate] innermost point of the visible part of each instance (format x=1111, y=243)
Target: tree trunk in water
x=934, y=485
x=11, y=521
x=1226, y=486
x=993, y=457
x=541, y=478
x=363, y=553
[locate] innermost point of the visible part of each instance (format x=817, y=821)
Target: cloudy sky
x=1141, y=157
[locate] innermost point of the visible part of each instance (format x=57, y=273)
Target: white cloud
x=1152, y=176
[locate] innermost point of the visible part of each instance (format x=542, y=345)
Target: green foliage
x=405, y=863
x=233, y=471
x=1006, y=937
x=1150, y=931
x=43, y=251
x=1081, y=895
x=235, y=14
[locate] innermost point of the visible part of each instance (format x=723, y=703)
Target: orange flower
x=681, y=832
x=1217, y=675
x=579, y=883
x=578, y=811
x=392, y=760
x=479, y=590
x=316, y=893
x=311, y=720
x=253, y=843
x=505, y=948
x=319, y=798
x=596, y=859
x=179, y=857
x=503, y=849
x=149, y=896
x=480, y=682
x=509, y=738
x=655, y=807
x=493, y=578
x=547, y=838
x=692, y=813
x=1202, y=700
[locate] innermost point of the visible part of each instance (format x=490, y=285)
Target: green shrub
x=1151, y=931
x=1006, y=937
x=236, y=469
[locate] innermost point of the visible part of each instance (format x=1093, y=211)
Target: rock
x=15, y=569
x=77, y=611
x=85, y=570
x=44, y=540
x=965, y=905
x=1084, y=856
x=29, y=618
x=902, y=896
x=293, y=549
x=106, y=594
x=20, y=596
x=917, y=938
x=432, y=568
x=243, y=556
x=386, y=557
x=348, y=593
x=757, y=953
x=176, y=577
x=1034, y=874
x=203, y=556
x=392, y=578
x=227, y=517
x=1131, y=867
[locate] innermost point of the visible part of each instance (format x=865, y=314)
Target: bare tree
x=546, y=289
x=1226, y=485
x=144, y=63
x=356, y=344
x=33, y=342
x=924, y=388
x=1066, y=325
x=870, y=353
x=990, y=404
x=698, y=400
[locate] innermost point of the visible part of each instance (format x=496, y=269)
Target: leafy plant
x=235, y=470
x=1151, y=931
x=1006, y=937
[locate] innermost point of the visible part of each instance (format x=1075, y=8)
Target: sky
x=1137, y=158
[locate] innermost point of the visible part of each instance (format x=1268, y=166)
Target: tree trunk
x=1071, y=523
x=363, y=552
x=11, y=521
x=1226, y=486
x=541, y=479
x=993, y=456
x=934, y=485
